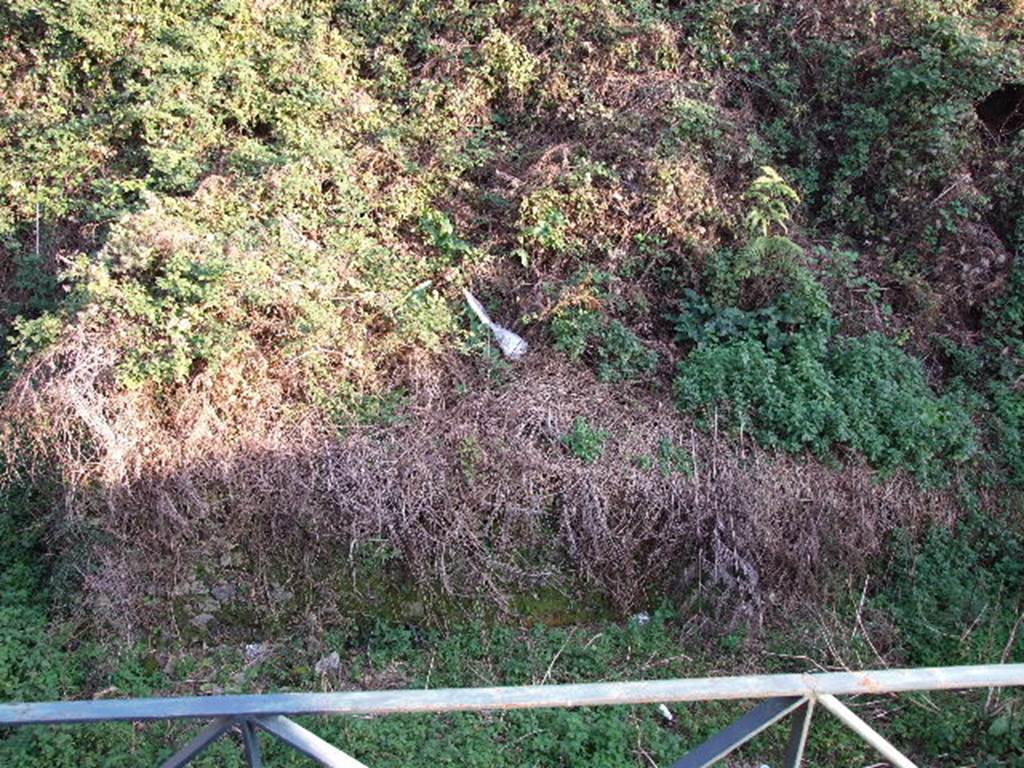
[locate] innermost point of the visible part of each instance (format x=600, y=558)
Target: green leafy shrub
x=1006, y=409
x=892, y=416
x=97, y=121
x=761, y=291
x=543, y=224
x=701, y=322
x=873, y=140
x=350, y=406
x=989, y=373
x=584, y=441
x=29, y=337
x=581, y=328
x=766, y=357
x=175, y=317
x=566, y=218
x=440, y=231
x=785, y=401
x=508, y=64
x=766, y=271
x=864, y=394
x=425, y=319
x=620, y=355
x=695, y=122
x=616, y=352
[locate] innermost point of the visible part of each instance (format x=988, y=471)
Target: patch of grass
x=957, y=599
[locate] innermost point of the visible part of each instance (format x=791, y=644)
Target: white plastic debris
x=328, y=664
x=255, y=652
x=641, y=619
x=665, y=712
x=512, y=345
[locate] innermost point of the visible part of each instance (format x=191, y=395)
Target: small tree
x=770, y=199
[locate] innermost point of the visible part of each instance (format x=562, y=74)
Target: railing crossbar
x=783, y=695
x=518, y=697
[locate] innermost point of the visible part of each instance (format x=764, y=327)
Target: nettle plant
x=582, y=329
x=615, y=351
x=818, y=394
x=766, y=358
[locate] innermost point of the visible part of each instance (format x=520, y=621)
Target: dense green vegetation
x=766, y=257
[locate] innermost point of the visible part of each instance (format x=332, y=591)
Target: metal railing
x=785, y=695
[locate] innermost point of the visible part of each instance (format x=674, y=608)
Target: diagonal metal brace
x=306, y=742
x=865, y=731
x=743, y=730
x=202, y=740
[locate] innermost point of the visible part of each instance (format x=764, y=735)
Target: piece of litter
x=328, y=664
x=512, y=345
x=255, y=652
x=640, y=619
x=665, y=712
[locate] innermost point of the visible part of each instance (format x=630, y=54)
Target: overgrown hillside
x=765, y=255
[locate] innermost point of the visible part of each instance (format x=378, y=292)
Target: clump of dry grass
x=471, y=495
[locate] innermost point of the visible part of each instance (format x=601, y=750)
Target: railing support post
x=251, y=744
x=801, y=720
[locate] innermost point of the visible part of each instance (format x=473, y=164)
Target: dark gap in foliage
x=257, y=129
x=972, y=315
x=1002, y=111
x=261, y=129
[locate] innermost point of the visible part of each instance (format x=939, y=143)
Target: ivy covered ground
x=765, y=255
